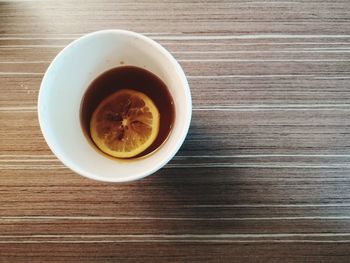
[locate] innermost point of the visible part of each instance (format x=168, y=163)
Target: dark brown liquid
x=128, y=77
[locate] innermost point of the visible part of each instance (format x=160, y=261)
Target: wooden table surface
x=263, y=175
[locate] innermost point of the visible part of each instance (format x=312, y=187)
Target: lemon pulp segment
x=125, y=123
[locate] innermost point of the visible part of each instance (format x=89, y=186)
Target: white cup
x=66, y=81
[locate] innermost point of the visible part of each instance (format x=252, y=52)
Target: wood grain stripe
x=178, y=238
x=87, y=218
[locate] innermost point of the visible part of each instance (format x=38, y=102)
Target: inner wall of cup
x=158, y=63
x=68, y=78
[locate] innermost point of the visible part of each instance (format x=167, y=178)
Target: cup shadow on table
x=197, y=187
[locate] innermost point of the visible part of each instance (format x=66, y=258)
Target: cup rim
x=78, y=168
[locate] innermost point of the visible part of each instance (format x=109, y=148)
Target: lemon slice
x=125, y=124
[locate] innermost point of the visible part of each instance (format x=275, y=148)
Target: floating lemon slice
x=125, y=124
